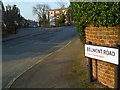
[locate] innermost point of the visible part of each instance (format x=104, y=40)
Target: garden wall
x=105, y=36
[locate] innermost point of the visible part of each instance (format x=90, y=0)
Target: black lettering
x=93, y=50
x=101, y=51
x=104, y=52
x=110, y=53
x=113, y=53
x=87, y=48
x=107, y=52
x=98, y=51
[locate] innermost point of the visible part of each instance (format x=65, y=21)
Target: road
x=21, y=53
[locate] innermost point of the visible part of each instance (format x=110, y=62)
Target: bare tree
x=40, y=10
x=62, y=3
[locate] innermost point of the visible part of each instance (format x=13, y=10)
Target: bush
x=12, y=29
x=60, y=21
x=95, y=13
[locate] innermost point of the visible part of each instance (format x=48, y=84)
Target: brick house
x=54, y=14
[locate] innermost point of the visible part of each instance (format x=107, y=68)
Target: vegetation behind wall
x=94, y=13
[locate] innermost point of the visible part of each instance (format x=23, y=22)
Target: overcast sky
x=25, y=6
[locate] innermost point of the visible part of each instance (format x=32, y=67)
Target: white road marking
x=64, y=47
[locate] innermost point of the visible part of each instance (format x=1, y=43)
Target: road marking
x=64, y=46
x=15, y=78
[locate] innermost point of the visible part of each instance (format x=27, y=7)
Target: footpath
x=64, y=68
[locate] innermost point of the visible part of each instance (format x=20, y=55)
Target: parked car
x=33, y=26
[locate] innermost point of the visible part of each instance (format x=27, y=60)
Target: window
x=57, y=12
x=51, y=12
x=51, y=18
x=57, y=17
x=64, y=11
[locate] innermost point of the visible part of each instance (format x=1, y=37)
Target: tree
x=43, y=21
x=2, y=10
x=12, y=15
x=2, y=6
x=12, y=18
x=16, y=13
x=61, y=20
x=41, y=10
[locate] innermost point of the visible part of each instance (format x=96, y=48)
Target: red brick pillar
x=105, y=36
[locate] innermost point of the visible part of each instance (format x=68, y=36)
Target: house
x=54, y=14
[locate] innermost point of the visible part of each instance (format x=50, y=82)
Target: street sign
x=106, y=54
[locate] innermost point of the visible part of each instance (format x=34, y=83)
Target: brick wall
x=105, y=36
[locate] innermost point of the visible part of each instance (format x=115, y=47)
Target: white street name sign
x=106, y=54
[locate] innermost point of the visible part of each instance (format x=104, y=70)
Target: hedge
x=94, y=13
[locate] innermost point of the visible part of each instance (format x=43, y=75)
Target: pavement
x=64, y=68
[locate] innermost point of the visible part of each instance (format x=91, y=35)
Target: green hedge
x=95, y=13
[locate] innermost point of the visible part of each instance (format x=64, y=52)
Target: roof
x=58, y=9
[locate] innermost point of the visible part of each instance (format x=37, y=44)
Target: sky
x=26, y=6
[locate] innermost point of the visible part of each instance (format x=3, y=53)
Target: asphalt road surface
x=21, y=53
x=57, y=70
